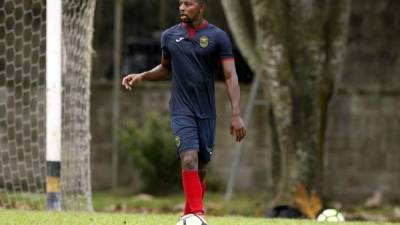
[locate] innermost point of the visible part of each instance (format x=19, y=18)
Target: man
x=192, y=50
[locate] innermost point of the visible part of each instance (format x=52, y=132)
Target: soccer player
x=191, y=51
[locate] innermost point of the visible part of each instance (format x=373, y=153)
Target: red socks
x=194, y=192
x=203, y=190
x=187, y=208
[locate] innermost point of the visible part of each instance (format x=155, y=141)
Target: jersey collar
x=192, y=31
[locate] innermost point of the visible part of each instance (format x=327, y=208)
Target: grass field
x=248, y=206
x=12, y=217
x=124, y=208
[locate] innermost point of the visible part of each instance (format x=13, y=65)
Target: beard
x=187, y=20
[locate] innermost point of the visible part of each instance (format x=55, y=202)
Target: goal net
x=23, y=103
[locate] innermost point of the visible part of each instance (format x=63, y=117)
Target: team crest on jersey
x=203, y=41
x=177, y=141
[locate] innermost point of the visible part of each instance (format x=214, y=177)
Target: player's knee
x=189, y=162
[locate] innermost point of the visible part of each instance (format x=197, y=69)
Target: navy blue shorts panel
x=191, y=133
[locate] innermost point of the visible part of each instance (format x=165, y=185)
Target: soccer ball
x=330, y=215
x=191, y=219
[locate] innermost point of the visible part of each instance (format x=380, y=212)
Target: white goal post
x=45, y=68
x=53, y=102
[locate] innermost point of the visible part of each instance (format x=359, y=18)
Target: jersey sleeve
x=224, y=46
x=165, y=55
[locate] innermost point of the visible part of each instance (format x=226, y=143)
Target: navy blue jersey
x=193, y=56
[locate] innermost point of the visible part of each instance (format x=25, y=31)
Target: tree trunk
x=298, y=48
x=241, y=33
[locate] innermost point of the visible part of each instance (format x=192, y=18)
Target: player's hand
x=131, y=80
x=238, y=129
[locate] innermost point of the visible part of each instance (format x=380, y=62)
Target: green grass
x=243, y=205
x=124, y=208
x=12, y=217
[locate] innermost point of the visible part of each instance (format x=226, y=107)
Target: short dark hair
x=202, y=1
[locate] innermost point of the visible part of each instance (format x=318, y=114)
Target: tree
x=297, y=47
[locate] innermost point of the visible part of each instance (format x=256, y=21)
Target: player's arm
x=157, y=73
x=237, y=128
